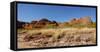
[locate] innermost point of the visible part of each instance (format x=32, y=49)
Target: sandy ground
x=56, y=37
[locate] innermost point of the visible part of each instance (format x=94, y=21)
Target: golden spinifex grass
x=37, y=38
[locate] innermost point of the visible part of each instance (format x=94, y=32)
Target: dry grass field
x=38, y=38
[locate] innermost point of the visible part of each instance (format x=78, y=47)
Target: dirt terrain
x=37, y=38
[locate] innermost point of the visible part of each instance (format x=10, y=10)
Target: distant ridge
x=42, y=23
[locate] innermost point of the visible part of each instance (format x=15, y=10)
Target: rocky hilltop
x=84, y=20
x=43, y=23
x=37, y=24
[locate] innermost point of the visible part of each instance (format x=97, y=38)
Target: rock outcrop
x=20, y=24
x=42, y=23
x=83, y=20
x=36, y=24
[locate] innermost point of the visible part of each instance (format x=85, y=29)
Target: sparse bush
x=58, y=37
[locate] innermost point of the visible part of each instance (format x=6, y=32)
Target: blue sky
x=30, y=12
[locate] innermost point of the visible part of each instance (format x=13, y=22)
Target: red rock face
x=37, y=24
x=74, y=21
x=83, y=20
x=86, y=20
x=27, y=26
x=43, y=22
